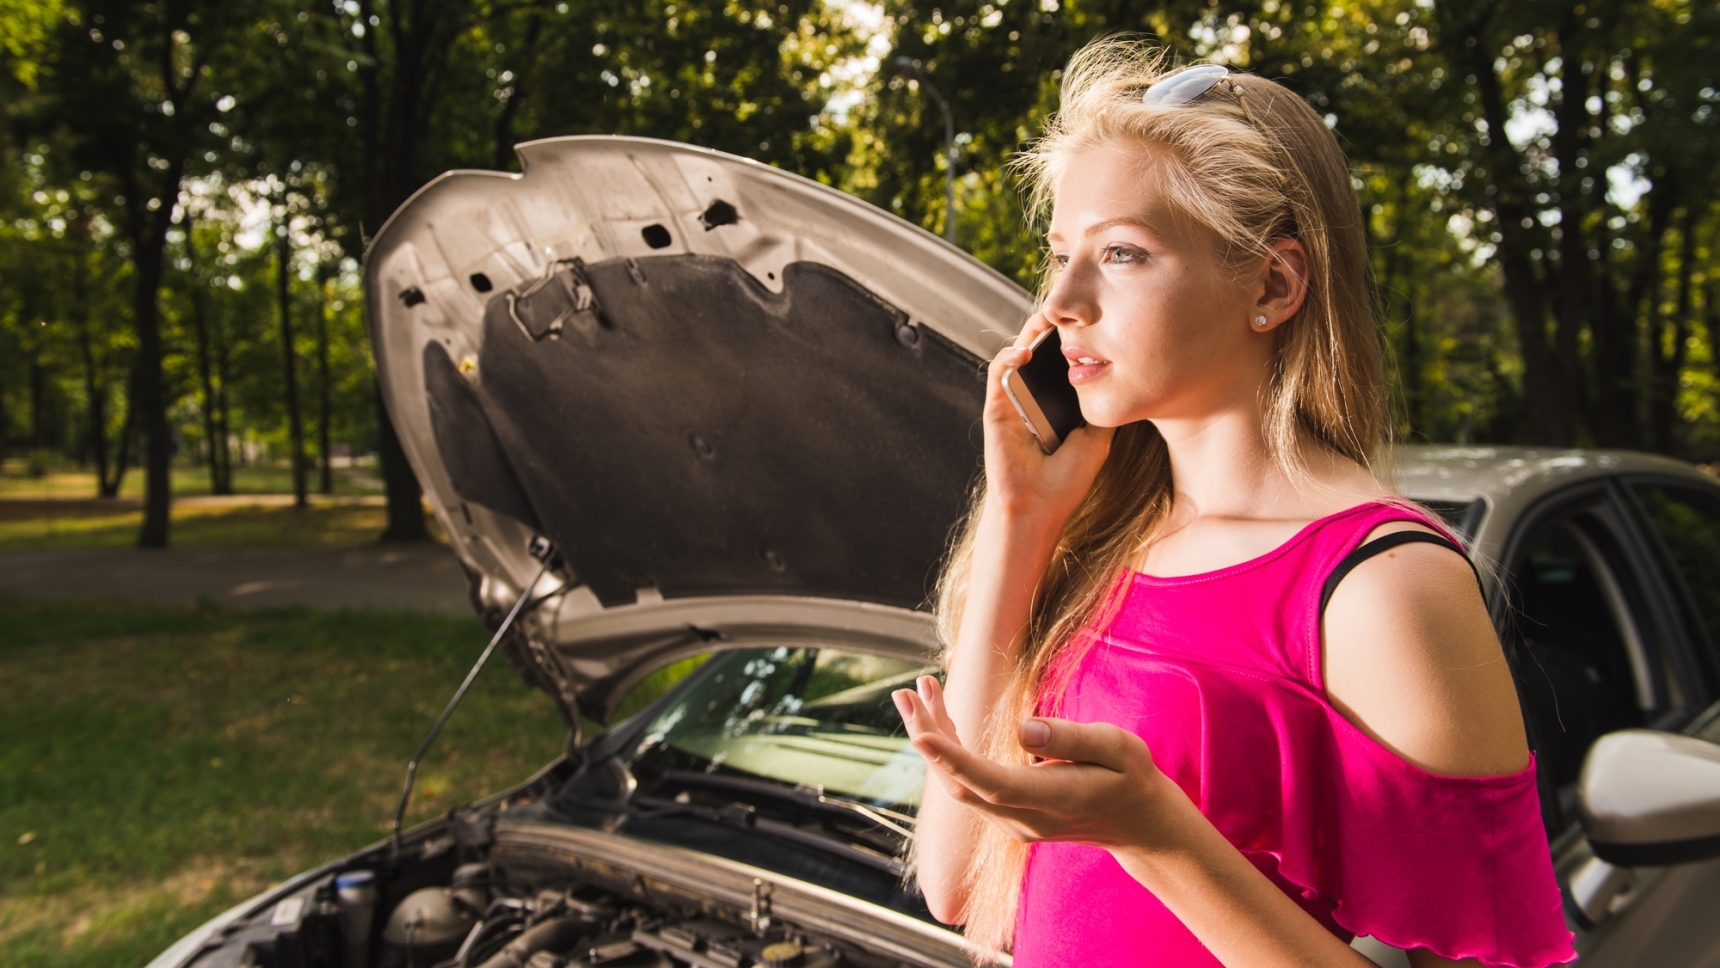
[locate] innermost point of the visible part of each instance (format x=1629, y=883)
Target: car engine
x=468, y=892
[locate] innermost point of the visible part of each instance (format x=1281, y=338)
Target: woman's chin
x=1103, y=413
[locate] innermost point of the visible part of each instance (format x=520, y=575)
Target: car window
x=1687, y=522
x=1462, y=517
x=804, y=718
x=1585, y=666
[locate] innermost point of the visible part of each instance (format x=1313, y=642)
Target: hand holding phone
x=1042, y=394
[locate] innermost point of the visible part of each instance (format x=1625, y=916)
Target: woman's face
x=1155, y=326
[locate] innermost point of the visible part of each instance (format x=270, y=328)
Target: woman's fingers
x=1100, y=744
x=996, y=783
x=913, y=712
x=931, y=694
x=1030, y=330
x=921, y=719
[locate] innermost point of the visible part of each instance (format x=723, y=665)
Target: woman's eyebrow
x=1128, y=220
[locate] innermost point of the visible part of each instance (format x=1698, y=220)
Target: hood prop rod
x=459, y=694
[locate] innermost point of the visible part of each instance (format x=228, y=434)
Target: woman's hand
x=1096, y=784
x=1023, y=481
x=1029, y=498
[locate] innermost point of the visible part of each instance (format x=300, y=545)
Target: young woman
x=1196, y=711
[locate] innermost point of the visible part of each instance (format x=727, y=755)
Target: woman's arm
x=1412, y=659
x=1431, y=661
x=1028, y=498
x=1009, y=556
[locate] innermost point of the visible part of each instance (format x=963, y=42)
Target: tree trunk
x=420, y=35
x=151, y=395
x=1572, y=295
x=511, y=107
x=200, y=323
x=323, y=408
x=1642, y=301
x=109, y=486
x=405, y=499
x=1612, y=333
x=1409, y=364
x=1549, y=391
x=295, y=420
x=223, y=429
x=1664, y=415
x=38, y=417
x=93, y=387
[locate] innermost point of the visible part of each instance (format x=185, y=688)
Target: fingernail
x=903, y=706
x=1035, y=733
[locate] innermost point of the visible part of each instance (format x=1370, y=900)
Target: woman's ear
x=1283, y=284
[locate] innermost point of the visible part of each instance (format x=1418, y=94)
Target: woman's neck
x=1234, y=499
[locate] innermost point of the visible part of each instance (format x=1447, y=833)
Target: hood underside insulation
x=670, y=423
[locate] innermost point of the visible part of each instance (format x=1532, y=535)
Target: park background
x=186, y=188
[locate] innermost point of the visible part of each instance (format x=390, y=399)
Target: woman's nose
x=1071, y=299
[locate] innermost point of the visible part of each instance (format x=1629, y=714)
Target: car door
x=1600, y=621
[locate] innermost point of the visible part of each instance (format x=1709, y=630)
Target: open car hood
x=740, y=404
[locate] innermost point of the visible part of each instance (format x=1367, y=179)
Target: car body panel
x=1512, y=479
x=857, y=389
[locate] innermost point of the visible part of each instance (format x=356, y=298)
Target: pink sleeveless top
x=1220, y=674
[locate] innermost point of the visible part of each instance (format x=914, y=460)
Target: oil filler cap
x=783, y=954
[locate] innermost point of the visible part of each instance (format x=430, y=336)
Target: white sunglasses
x=1178, y=89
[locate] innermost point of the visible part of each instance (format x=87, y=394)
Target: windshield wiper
x=812, y=797
x=745, y=817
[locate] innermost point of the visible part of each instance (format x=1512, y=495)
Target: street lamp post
x=911, y=68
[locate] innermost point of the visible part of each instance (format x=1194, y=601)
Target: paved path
x=425, y=578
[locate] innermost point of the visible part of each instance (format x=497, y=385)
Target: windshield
x=812, y=719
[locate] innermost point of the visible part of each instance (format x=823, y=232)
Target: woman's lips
x=1084, y=365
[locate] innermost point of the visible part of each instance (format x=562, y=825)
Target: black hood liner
x=692, y=431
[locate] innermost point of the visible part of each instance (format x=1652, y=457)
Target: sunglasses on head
x=1178, y=89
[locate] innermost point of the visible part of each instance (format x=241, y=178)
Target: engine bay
x=469, y=892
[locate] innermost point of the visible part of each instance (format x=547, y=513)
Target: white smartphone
x=1042, y=394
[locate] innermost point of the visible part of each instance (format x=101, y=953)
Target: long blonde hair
x=1254, y=175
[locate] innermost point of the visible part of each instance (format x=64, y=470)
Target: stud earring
x=1260, y=322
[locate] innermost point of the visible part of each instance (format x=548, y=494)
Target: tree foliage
x=1535, y=177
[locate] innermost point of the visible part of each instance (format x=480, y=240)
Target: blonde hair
x=1254, y=170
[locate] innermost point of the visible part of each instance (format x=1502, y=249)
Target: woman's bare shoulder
x=1412, y=659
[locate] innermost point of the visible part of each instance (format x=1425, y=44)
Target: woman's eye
x=1121, y=254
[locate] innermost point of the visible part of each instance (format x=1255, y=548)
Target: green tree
x=130, y=86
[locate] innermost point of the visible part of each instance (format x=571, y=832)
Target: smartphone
x=1042, y=393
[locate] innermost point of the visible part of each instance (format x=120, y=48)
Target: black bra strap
x=1385, y=543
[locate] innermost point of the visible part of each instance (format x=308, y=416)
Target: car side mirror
x=1648, y=798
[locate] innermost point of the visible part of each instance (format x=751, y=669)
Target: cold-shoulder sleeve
x=1456, y=865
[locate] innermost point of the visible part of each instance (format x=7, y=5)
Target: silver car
x=669, y=403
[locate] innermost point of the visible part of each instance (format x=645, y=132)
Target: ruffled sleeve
x=1456, y=865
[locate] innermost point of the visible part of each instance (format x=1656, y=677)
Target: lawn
x=62, y=483
x=47, y=527
x=160, y=764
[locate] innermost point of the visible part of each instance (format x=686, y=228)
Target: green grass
x=160, y=764
x=63, y=482
x=320, y=525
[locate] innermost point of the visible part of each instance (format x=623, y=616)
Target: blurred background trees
x=186, y=187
